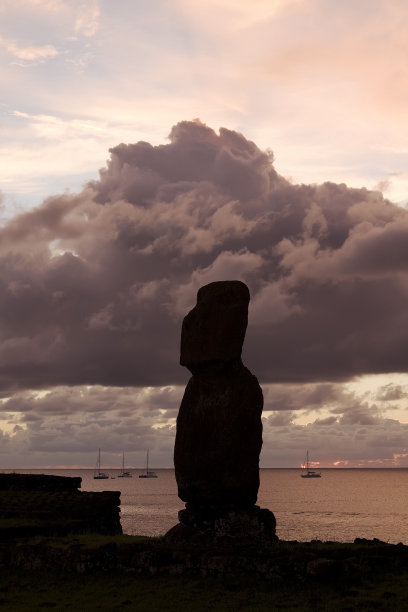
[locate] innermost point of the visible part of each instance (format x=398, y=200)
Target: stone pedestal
x=225, y=525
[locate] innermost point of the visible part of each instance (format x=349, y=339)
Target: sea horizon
x=118, y=468
x=344, y=504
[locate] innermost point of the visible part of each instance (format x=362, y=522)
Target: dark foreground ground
x=105, y=573
x=20, y=591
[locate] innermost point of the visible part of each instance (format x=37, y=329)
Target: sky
x=148, y=148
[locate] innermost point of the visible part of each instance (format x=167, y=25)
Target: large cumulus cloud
x=93, y=286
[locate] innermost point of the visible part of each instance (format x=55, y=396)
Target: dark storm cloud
x=285, y=403
x=157, y=403
x=391, y=392
x=279, y=419
x=382, y=443
x=93, y=287
x=286, y=397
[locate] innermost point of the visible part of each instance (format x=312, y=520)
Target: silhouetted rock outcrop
x=39, y=482
x=219, y=427
x=39, y=504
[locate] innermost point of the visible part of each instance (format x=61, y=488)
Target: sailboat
x=148, y=473
x=308, y=472
x=124, y=473
x=98, y=475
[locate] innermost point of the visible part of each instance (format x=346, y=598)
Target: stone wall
x=284, y=561
x=38, y=482
x=32, y=504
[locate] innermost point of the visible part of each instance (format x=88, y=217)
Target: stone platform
x=39, y=504
x=225, y=524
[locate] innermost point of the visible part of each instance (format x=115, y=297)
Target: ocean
x=341, y=505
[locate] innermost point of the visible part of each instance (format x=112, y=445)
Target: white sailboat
x=124, y=473
x=98, y=475
x=148, y=473
x=308, y=472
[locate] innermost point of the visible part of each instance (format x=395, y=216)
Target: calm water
x=341, y=505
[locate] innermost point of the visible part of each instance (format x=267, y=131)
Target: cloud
x=334, y=444
x=280, y=419
x=237, y=15
x=28, y=52
x=52, y=127
x=87, y=21
x=68, y=147
x=304, y=397
x=391, y=392
x=66, y=425
x=40, y=30
x=49, y=6
x=343, y=425
x=284, y=94
x=94, y=285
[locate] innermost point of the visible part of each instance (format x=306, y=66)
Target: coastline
x=63, y=548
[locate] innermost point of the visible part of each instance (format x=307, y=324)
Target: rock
x=39, y=482
x=320, y=567
x=229, y=524
x=39, y=504
x=183, y=533
x=219, y=427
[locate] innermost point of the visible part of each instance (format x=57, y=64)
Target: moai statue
x=219, y=427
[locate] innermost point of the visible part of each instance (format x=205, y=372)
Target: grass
x=91, y=540
x=378, y=584
x=29, y=591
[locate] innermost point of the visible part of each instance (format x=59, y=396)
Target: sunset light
x=149, y=151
